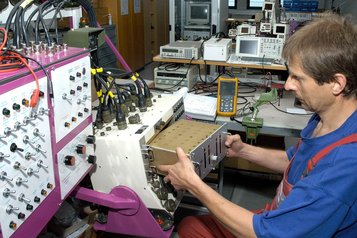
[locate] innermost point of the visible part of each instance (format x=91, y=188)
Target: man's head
x=326, y=47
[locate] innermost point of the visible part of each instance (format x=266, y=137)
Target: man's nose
x=289, y=85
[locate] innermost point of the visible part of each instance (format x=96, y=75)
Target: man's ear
x=339, y=84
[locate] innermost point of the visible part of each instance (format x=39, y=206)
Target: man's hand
x=182, y=174
x=234, y=144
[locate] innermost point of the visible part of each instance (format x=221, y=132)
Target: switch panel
x=75, y=159
x=72, y=104
x=26, y=165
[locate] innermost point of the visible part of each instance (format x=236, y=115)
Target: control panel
x=271, y=47
x=75, y=159
x=36, y=137
x=72, y=87
x=26, y=164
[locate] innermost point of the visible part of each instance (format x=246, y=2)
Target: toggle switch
x=17, y=126
x=3, y=156
x=27, y=119
x=31, y=171
x=3, y=176
x=13, y=148
x=20, y=181
x=10, y=208
x=7, y=132
x=28, y=155
x=17, y=165
x=22, y=198
x=26, y=139
x=7, y=192
x=65, y=97
x=36, y=132
x=42, y=111
x=85, y=97
x=39, y=149
x=40, y=164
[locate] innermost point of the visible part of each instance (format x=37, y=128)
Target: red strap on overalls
x=285, y=187
x=312, y=163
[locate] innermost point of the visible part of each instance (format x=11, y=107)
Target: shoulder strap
x=322, y=153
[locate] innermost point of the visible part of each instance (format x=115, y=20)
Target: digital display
x=199, y=12
x=169, y=50
x=227, y=88
x=248, y=47
x=280, y=29
x=244, y=30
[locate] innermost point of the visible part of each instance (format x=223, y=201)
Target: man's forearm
x=276, y=160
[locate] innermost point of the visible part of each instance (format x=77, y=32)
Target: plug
x=34, y=98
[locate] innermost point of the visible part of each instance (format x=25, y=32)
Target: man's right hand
x=234, y=144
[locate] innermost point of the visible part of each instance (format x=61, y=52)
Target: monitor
x=246, y=29
x=198, y=13
x=280, y=28
x=247, y=46
x=268, y=6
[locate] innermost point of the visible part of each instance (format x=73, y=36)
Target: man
x=318, y=195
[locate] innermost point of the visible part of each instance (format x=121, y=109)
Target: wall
x=347, y=7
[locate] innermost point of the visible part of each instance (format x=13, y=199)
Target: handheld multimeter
x=227, y=96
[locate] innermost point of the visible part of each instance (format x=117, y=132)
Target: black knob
x=13, y=148
x=16, y=106
x=90, y=139
x=6, y=112
x=72, y=78
x=29, y=207
x=21, y=215
x=37, y=199
x=81, y=149
x=92, y=159
x=85, y=85
x=80, y=114
x=72, y=92
x=69, y=160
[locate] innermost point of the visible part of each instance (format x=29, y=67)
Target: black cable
x=11, y=16
x=234, y=119
x=23, y=26
x=291, y=113
x=17, y=28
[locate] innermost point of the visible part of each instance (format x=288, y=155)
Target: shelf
x=219, y=63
